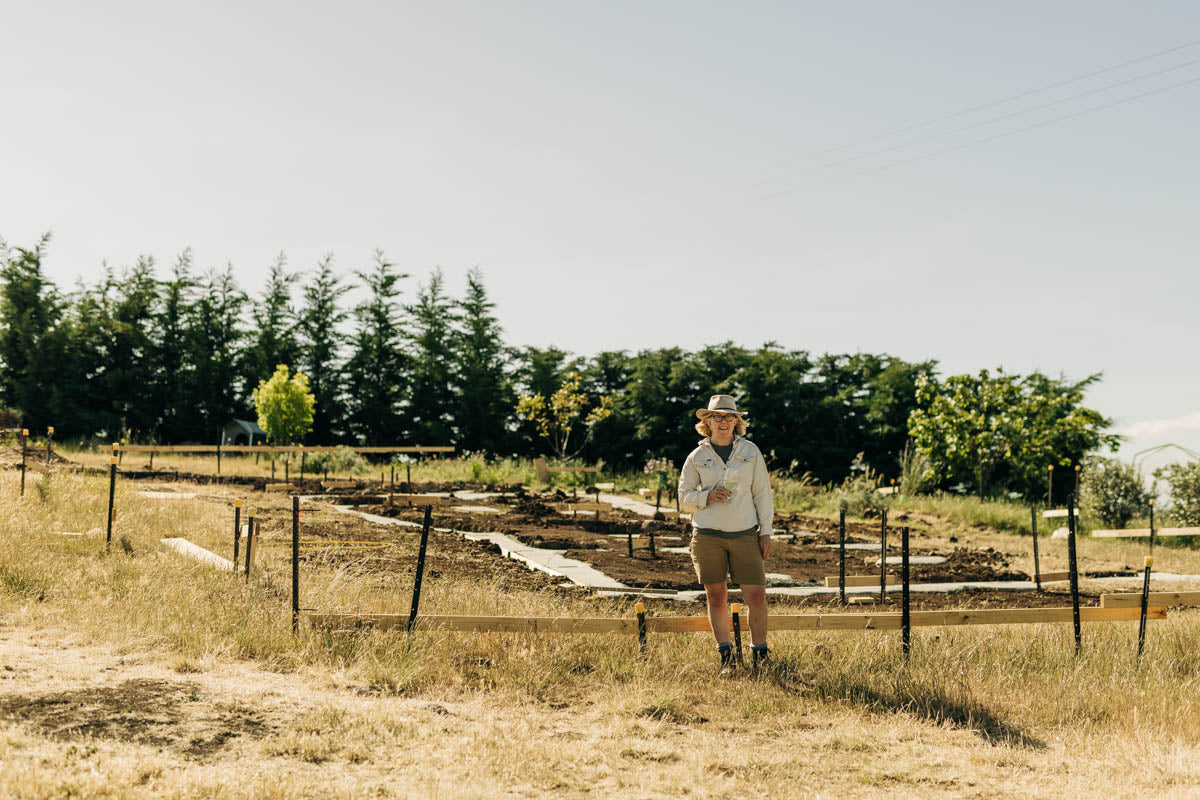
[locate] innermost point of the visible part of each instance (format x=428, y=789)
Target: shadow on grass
x=902, y=694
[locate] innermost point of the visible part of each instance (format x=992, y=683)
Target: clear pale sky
x=632, y=175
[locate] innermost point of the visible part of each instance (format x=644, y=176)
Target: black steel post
x=408, y=476
x=49, y=444
x=1151, y=526
x=1050, y=488
x=883, y=557
x=112, y=494
x=1037, y=566
x=736, y=610
x=295, y=564
x=842, y=555
x=629, y=541
x=249, y=539
x=219, y=438
x=416, y=598
x=1073, y=566
x=905, y=615
x=237, y=531
x=393, y=477
x=287, y=469
x=1145, y=606
x=657, y=500
x=640, y=608
x=24, y=433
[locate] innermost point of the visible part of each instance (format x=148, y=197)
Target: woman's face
x=722, y=427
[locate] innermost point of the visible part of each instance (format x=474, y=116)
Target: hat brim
x=704, y=413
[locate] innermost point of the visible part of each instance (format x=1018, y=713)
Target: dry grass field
x=139, y=673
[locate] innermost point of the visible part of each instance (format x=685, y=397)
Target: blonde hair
x=703, y=428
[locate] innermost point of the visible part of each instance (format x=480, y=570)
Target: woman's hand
x=719, y=494
x=764, y=544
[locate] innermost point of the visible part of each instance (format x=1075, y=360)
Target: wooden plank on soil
x=861, y=580
x=245, y=448
x=278, y=487
x=1134, y=599
x=339, y=484
x=37, y=467
x=421, y=500
x=1051, y=577
x=1144, y=532
x=566, y=508
x=1058, y=512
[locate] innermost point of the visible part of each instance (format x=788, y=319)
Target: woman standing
x=724, y=484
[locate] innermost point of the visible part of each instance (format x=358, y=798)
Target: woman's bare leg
x=718, y=610
x=756, y=599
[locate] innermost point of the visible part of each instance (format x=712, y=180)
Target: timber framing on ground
x=778, y=622
x=246, y=448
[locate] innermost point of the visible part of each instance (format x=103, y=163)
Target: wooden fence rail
x=778, y=622
x=245, y=448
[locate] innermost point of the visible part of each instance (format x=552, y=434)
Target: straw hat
x=720, y=404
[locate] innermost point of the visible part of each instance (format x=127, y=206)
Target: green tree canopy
x=1001, y=431
x=285, y=406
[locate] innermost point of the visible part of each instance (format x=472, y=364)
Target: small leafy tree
x=1112, y=490
x=285, y=406
x=1184, y=480
x=558, y=417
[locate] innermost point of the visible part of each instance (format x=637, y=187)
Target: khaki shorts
x=715, y=558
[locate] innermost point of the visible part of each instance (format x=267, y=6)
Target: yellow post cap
x=50, y=430
x=1051, y=468
x=24, y=431
x=640, y=608
x=250, y=511
x=237, y=503
x=1149, y=561
x=735, y=608
x=113, y=460
x=1151, y=501
x=116, y=445
x=1077, y=468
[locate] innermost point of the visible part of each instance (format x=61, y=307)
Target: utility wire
x=992, y=120
x=981, y=107
x=984, y=140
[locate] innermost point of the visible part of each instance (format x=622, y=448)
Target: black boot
x=725, y=650
x=761, y=658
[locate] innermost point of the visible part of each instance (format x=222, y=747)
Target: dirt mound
x=11, y=456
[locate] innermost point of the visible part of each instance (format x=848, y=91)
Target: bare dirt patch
x=161, y=713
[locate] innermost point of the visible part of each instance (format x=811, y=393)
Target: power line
x=984, y=140
x=992, y=120
x=991, y=104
